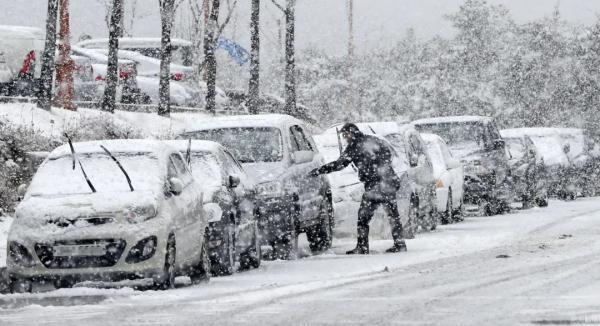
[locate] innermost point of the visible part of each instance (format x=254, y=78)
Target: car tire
x=252, y=257
x=542, y=201
x=201, y=272
x=20, y=285
x=223, y=263
x=320, y=236
x=166, y=281
x=459, y=214
x=448, y=215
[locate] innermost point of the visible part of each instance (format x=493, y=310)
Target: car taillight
x=178, y=76
x=100, y=78
x=124, y=74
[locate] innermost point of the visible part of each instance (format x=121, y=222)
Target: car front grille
x=64, y=222
x=111, y=251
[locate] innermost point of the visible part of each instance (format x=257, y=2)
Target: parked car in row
x=278, y=152
x=476, y=141
x=110, y=210
x=21, y=48
x=449, y=179
x=229, y=202
x=528, y=173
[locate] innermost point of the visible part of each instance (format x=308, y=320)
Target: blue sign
x=236, y=51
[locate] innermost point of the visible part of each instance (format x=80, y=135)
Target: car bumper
x=108, y=267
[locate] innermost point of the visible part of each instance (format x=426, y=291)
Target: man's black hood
x=353, y=129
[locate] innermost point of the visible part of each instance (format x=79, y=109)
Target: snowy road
x=531, y=267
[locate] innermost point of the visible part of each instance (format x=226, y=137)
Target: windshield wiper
x=75, y=158
x=188, y=152
x=119, y=165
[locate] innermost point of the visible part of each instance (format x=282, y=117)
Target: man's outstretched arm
x=337, y=165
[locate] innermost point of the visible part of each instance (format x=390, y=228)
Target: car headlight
x=439, y=183
x=213, y=212
x=269, y=189
x=140, y=214
x=20, y=255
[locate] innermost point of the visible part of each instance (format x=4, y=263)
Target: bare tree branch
x=278, y=6
x=227, y=19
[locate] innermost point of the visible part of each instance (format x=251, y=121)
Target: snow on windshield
x=516, y=147
x=205, y=168
x=457, y=134
x=551, y=149
x=437, y=158
x=247, y=144
x=56, y=176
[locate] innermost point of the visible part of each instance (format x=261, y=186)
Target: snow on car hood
x=36, y=210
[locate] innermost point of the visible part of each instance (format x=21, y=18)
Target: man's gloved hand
x=314, y=173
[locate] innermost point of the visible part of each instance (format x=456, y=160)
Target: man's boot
x=362, y=245
x=398, y=246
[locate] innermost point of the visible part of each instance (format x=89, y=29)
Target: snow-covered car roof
x=139, y=42
x=9, y=31
x=236, y=121
x=197, y=145
x=381, y=128
x=148, y=63
x=452, y=119
x=540, y=132
x=115, y=146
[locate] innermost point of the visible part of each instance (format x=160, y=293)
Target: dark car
x=528, y=172
x=229, y=202
x=477, y=142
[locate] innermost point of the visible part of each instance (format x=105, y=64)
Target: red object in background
x=28, y=63
x=65, y=64
x=178, y=76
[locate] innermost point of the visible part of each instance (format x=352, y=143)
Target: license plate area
x=79, y=250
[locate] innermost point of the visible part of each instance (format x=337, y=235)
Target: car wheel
x=20, y=285
x=542, y=201
x=320, y=236
x=223, y=263
x=167, y=279
x=459, y=214
x=201, y=272
x=447, y=216
x=410, y=229
x=253, y=256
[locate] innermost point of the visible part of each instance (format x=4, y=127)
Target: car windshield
x=205, y=168
x=56, y=177
x=437, y=158
x=458, y=134
x=516, y=147
x=398, y=143
x=247, y=144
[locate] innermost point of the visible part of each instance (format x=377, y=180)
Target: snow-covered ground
x=538, y=266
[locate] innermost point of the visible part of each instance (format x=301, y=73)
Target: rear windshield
x=458, y=134
x=247, y=144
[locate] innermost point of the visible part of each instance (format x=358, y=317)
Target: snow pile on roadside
x=55, y=122
x=5, y=222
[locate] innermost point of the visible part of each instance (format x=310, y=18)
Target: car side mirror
x=413, y=160
x=499, y=144
x=300, y=157
x=175, y=186
x=233, y=181
x=453, y=164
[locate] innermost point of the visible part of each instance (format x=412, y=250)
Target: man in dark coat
x=373, y=160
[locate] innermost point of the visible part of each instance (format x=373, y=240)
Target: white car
x=136, y=212
x=21, y=49
x=278, y=152
x=449, y=175
x=228, y=193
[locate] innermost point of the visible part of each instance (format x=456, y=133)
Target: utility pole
x=290, y=64
x=46, y=78
x=65, y=64
x=254, y=84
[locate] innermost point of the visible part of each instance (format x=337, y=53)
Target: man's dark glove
x=314, y=173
